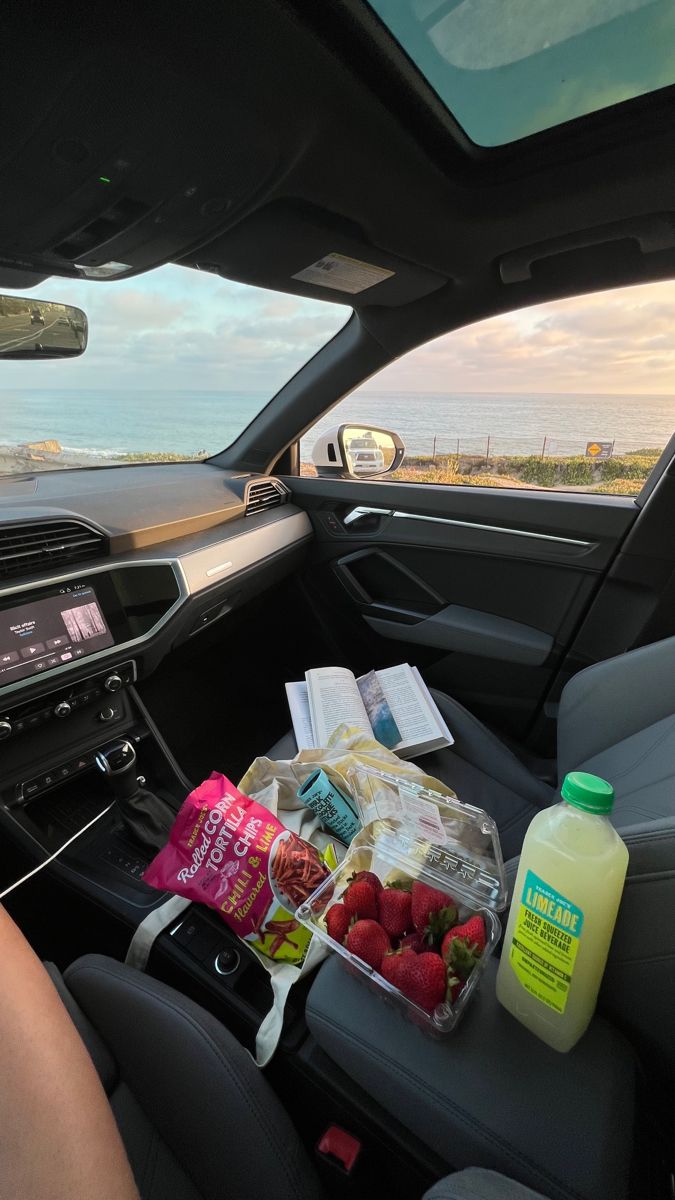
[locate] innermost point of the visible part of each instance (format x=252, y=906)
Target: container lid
x=453, y=846
x=588, y=792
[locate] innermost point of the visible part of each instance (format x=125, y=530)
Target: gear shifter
x=147, y=817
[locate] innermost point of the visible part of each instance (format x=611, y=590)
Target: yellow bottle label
x=545, y=942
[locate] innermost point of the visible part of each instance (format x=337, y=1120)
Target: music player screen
x=43, y=634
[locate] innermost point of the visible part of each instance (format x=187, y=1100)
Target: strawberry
x=463, y=946
x=421, y=977
x=360, y=900
x=391, y=965
x=393, y=907
x=367, y=940
x=337, y=922
x=433, y=912
x=413, y=941
x=367, y=877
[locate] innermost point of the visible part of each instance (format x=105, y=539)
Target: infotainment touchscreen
x=41, y=634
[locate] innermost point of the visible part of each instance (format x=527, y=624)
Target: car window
x=576, y=395
x=178, y=363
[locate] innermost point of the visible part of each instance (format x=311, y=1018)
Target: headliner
x=254, y=137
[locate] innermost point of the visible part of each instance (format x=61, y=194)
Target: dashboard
x=181, y=546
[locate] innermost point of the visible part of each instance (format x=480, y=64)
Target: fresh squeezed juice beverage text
x=565, y=901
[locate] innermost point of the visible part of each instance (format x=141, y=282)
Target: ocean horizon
x=105, y=423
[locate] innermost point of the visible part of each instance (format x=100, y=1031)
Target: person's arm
x=58, y=1137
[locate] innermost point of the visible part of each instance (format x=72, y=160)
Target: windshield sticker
x=343, y=274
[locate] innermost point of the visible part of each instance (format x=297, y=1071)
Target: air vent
x=264, y=493
x=28, y=549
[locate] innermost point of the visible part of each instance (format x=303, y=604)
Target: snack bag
x=229, y=852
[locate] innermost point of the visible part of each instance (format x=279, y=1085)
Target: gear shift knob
x=117, y=761
x=145, y=816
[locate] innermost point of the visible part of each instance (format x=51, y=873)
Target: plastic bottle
x=565, y=901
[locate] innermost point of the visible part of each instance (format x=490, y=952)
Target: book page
x=334, y=698
x=433, y=706
x=298, y=702
x=409, y=706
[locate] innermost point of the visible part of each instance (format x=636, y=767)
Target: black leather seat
x=197, y=1117
x=616, y=720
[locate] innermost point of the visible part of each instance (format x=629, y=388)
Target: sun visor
x=294, y=248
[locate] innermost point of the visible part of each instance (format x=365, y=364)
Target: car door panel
x=483, y=588
x=470, y=632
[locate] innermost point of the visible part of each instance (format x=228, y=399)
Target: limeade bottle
x=566, y=897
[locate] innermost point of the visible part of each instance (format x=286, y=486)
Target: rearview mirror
x=357, y=452
x=40, y=329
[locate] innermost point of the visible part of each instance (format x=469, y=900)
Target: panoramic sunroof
x=509, y=68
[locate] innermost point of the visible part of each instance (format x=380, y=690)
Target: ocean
x=105, y=423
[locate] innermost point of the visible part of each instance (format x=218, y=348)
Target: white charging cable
x=41, y=866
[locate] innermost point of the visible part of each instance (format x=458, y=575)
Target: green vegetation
x=623, y=475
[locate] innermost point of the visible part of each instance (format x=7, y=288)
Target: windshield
x=177, y=365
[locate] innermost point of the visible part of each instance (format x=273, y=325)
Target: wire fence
x=488, y=446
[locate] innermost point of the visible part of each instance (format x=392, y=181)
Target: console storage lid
x=492, y=1095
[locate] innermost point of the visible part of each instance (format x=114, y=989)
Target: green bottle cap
x=589, y=792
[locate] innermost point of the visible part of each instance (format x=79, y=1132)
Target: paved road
x=17, y=331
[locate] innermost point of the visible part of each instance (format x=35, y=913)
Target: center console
x=51, y=787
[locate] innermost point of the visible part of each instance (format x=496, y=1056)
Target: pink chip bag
x=220, y=852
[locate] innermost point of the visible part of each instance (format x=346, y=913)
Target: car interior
x=346, y=153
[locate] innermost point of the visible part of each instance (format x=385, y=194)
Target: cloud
x=180, y=329
x=620, y=341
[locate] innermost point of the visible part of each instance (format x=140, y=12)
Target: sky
x=621, y=341
x=506, y=70
x=178, y=329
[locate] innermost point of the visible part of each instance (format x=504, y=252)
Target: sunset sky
x=176, y=329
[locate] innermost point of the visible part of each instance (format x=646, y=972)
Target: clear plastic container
x=412, y=832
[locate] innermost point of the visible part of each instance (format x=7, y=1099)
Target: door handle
x=361, y=511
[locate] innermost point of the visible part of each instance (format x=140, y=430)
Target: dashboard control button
x=65, y=771
x=5, y=730
x=113, y=683
x=106, y=714
x=63, y=709
x=30, y=789
x=33, y=720
x=44, y=781
x=31, y=651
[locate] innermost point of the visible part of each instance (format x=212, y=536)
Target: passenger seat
x=616, y=720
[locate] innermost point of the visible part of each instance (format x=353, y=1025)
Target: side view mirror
x=357, y=452
x=40, y=329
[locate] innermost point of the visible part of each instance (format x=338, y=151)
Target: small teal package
x=332, y=806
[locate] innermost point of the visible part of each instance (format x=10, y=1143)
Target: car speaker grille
x=264, y=493
x=26, y=549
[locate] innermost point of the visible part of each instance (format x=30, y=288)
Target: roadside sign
x=599, y=449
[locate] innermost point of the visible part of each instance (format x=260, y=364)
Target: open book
x=394, y=706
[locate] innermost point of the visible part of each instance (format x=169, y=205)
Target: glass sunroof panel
x=510, y=68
